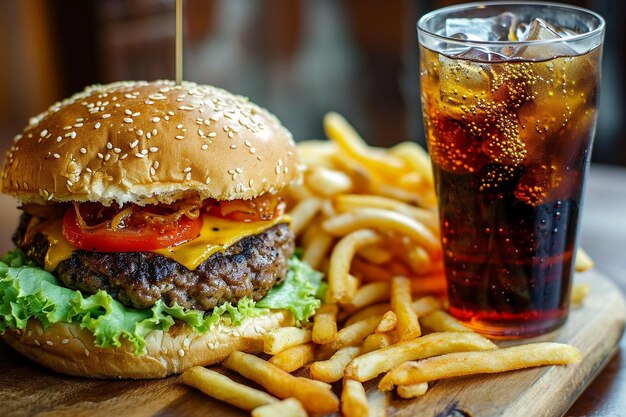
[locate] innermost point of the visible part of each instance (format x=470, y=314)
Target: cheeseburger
x=152, y=236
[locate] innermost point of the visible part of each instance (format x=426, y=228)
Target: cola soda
x=510, y=131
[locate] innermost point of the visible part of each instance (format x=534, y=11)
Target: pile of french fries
x=366, y=217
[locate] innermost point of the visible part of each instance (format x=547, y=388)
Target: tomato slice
x=137, y=239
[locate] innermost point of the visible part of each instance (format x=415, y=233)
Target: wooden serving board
x=595, y=328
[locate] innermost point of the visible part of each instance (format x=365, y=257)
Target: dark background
x=298, y=58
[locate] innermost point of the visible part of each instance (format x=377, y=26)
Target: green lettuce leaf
x=298, y=293
x=27, y=291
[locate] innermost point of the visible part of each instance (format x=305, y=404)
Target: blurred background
x=298, y=58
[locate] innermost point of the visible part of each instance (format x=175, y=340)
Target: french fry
x=368, y=294
x=353, y=399
x=375, y=310
x=375, y=255
x=378, y=402
x=283, y=338
x=294, y=358
x=225, y=389
x=317, y=249
x=415, y=157
x=412, y=391
x=426, y=305
x=349, y=202
x=348, y=140
x=331, y=370
x=579, y=293
x=470, y=363
x=583, y=261
x=388, y=322
x=421, y=306
x=319, y=152
x=353, y=335
x=370, y=365
x=341, y=285
x=440, y=321
x=313, y=397
x=328, y=182
x=407, y=326
x=378, y=341
x=386, y=221
x=302, y=214
x=285, y=408
x=321, y=384
x=325, y=324
x=418, y=260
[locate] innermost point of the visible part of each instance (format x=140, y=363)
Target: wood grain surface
x=595, y=328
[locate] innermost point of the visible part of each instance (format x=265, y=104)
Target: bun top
x=150, y=142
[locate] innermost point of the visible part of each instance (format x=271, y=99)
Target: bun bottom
x=68, y=349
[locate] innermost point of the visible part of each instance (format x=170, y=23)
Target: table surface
x=603, y=236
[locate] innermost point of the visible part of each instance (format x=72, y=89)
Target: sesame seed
x=86, y=352
x=186, y=342
x=152, y=171
x=97, y=126
x=204, y=147
x=106, y=116
x=78, y=125
x=135, y=114
x=154, y=149
x=109, y=145
x=73, y=135
x=59, y=138
x=64, y=128
x=230, y=135
x=211, y=345
x=188, y=169
x=179, y=126
x=134, y=143
x=88, y=170
x=154, y=132
x=128, y=112
x=37, y=342
x=179, y=137
x=181, y=353
x=144, y=152
x=67, y=135
x=247, y=143
x=156, y=164
x=83, y=151
x=139, y=155
x=70, y=183
x=49, y=343
x=148, y=135
x=252, y=151
x=140, y=132
x=207, y=180
x=188, y=176
x=107, y=157
x=128, y=120
x=56, y=156
x=116, y=105
x=117, y=150
x=156, y=119
x=167, y=118
x=212, y=134
x=43, y=133
x=277, y=169
x=233, y=146
x=124, y=156
x=80, y=119
x=100, y=155
x=238, y=170
x=65, y=341
x=171, y=113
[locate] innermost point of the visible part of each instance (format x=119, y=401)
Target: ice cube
x=495, y=28
x=540, y=30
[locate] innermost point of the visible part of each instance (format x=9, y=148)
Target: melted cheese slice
x=216, y=235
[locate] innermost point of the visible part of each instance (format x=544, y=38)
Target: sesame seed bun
x=68, y=349
x=150, y=142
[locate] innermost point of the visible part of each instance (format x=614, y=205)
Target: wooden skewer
x=179, y=41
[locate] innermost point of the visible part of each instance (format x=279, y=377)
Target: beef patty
x=249, y=268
